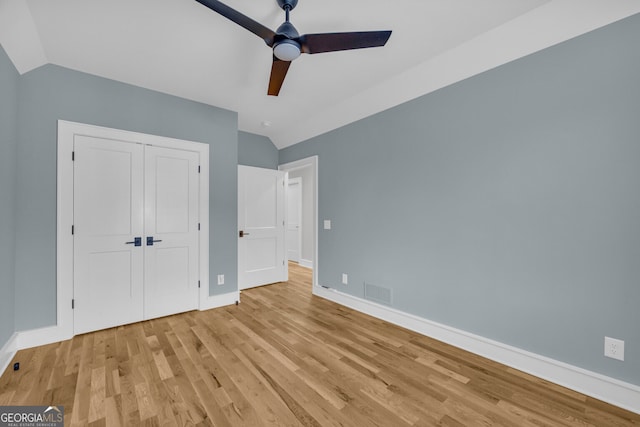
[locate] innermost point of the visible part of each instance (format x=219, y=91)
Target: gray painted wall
x=506, y=205
x=256, y=150
x=8, y=146
x=306, y=251
x=50, y=93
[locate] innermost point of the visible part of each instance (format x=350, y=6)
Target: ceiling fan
x=287, y=44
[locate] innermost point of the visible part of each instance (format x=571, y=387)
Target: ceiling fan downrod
x=287, y=6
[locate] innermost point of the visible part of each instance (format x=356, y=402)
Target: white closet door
x=108, y=218
x=136, y=241
x=171, y=231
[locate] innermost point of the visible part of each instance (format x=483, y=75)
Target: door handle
x=242, y=233
x=150, y=241
x=137, y=241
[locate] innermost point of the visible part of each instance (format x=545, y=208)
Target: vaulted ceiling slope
x=182, y=48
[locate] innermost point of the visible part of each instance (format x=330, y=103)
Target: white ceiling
x=182, y=48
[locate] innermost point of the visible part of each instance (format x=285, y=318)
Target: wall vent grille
x=377, y=294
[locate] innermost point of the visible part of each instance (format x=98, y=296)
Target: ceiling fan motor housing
x=286, y=30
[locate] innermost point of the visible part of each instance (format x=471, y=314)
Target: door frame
x=311, y=162
x=64, y=240
x=298, y=181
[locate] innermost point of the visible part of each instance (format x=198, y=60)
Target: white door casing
x=68, y=132
x=171, y=231
x=294, y=219
x=312, y=163
x=261, y=221
x=108, y=210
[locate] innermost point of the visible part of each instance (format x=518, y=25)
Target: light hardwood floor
x=286, y=358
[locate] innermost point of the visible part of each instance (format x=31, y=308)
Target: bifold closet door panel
x=171, y=231
x=108, y=218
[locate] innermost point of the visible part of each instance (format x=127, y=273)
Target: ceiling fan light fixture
x=287, y=50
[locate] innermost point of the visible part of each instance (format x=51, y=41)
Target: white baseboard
x=598, y=386
x=51, y=334
x=42, y=336
x=306, y=263
x=27, y=339
x=215, y=301
x=7, y=352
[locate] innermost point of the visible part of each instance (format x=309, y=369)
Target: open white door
x=261, y=227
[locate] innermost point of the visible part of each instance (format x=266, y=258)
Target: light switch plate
x=327, y=224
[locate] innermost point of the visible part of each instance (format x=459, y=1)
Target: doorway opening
x=304, y=173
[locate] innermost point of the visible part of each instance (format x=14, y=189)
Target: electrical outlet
x=345, y=279
x=220, y=279
x=614, y=348
x=327, y=224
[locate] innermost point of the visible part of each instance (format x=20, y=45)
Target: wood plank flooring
x=286, y=358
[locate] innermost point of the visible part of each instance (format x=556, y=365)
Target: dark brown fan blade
x=244, y=21
x=331, y=42
x=279, y=70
